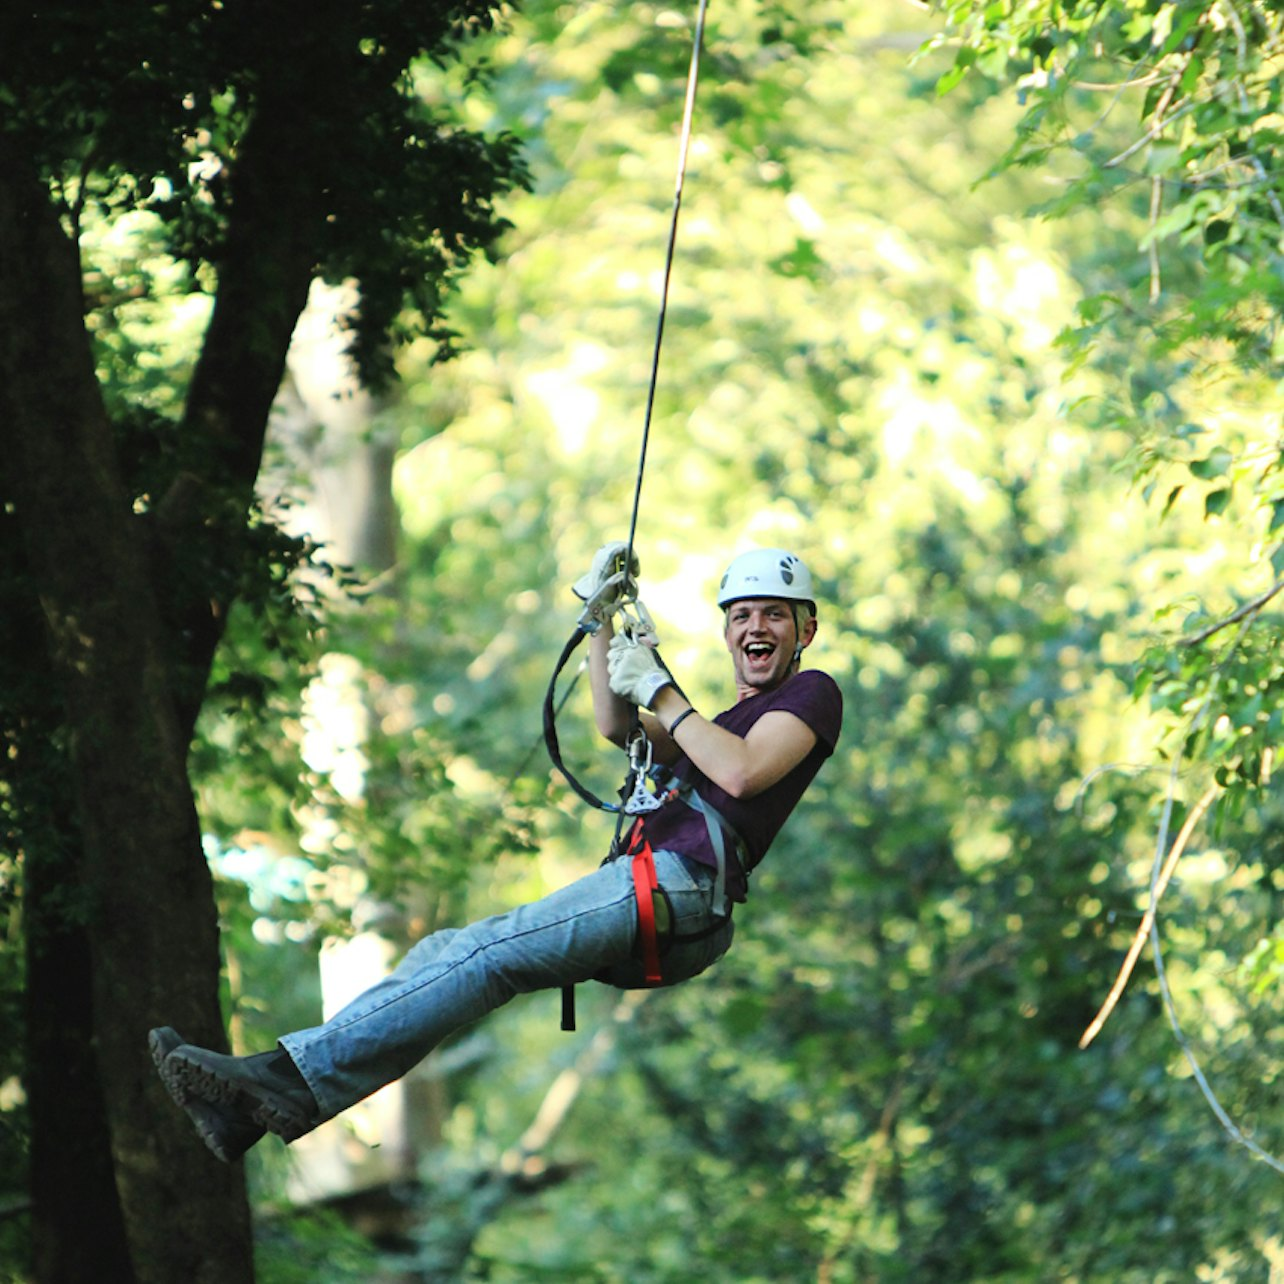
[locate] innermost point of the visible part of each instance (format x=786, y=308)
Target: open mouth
x=759, y=652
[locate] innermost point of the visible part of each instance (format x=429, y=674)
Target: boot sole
x=228, y=1139
x=187, y=1078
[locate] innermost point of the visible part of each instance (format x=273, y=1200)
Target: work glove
x=635, y=670
x=605, y=579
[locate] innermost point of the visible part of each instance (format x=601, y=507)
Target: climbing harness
x=617, y=597
x=646, y=890
x=656, y=925
x=655, y=916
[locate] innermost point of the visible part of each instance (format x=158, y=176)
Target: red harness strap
x=645, y=884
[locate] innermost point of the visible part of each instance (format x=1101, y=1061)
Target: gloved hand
x=635, y=671
x=606, y=577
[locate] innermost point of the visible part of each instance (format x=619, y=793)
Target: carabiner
x=597, y=610
x=641, y=799
x=637, y=623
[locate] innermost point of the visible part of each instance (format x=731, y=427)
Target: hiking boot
x=266, y=1088
x=228, y=1131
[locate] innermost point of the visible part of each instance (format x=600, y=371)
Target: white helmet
x=767, y=572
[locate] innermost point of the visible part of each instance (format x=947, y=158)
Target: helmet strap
x=798, y=610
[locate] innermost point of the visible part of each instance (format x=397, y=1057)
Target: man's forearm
x=610, y=712
x=723, y=757
x=741, y=766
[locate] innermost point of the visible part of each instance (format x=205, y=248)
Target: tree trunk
x=149, y=941
x=71, y=1165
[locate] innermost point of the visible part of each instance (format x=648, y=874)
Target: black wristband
x=673, y=726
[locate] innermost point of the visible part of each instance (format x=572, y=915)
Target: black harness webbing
x=550, y=725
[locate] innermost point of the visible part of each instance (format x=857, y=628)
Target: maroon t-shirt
x=812, y=696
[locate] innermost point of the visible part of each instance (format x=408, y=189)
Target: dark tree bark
x=131, y=656
x=142, y=931
x=323, y=163
x=65, y=1099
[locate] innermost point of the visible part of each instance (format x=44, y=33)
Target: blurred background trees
x=1029, y=459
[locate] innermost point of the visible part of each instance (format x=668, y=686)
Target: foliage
x=881, y=1081
x=1173, y=109
x=155, y=127
x=304, y=1248
x=1170, y=112
x=1017, y=540
x=1201, y=81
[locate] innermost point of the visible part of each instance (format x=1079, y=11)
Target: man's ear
x=808, y=632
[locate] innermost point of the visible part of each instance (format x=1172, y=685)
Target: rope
x=550, y=708
x=684, y=146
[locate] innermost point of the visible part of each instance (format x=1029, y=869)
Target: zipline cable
x=684, y=147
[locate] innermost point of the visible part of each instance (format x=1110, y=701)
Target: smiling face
x=762, y=638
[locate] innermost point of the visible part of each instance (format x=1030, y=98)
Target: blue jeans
x=582, y=932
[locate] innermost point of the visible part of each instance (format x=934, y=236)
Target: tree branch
x=1235, y=617
x=1152, y=250
x=1161, y=122
x=1231, y=1128
x=1139, y=938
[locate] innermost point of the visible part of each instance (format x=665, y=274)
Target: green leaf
x=1216, y=501
x=962, y=64
x=1215, y=464
x=1190, y=77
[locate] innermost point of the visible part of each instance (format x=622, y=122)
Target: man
x=736, y=778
